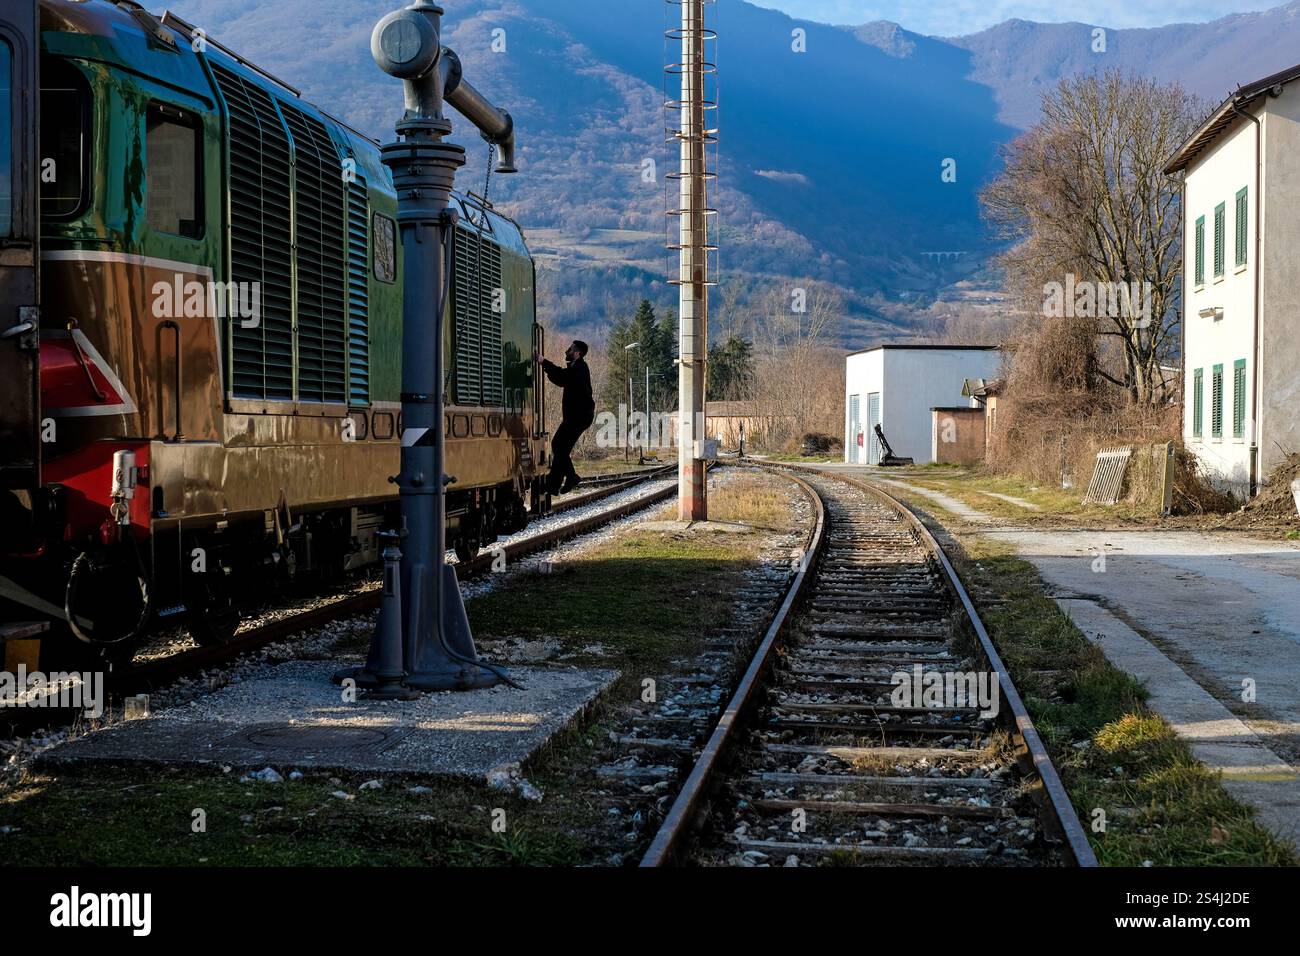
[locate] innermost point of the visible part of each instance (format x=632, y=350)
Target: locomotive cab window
x=6, y=139
x=65, y=140
x=174, y=185
x=385, y=246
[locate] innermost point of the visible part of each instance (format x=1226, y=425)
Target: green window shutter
x=1241, y=224
x=1200, y=251
x=1239, y=399
x=1216, y=403
x=1220, y=215
x=1198, y=402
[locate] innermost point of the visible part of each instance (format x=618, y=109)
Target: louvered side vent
x=476, y=325
x=358, y=294
x=261, y=244
x=493, y=315
x=320, y=217
x=465, y=320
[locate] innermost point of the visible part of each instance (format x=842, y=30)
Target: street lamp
x=631, y=400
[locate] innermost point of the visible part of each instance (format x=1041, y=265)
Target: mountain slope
x=1020, y=60
x=830, y=159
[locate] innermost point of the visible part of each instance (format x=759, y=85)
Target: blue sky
x=956, y=17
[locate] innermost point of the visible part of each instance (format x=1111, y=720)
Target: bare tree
x=793, y=389
x=1083, y=194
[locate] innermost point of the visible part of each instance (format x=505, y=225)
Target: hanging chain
x=487, y=187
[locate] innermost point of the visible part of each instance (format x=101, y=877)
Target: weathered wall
x=1279, y=413
x=957, y=436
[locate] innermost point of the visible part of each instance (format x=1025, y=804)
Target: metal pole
x=631, y=403
x=646, y=443
x=437, y=648
x=692, y=497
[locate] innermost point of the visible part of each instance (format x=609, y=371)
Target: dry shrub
x=1055, y=440
x=1194, y=492
x=1057, y=412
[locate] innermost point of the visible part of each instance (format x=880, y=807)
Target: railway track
x=153, y=674
x=817, y=759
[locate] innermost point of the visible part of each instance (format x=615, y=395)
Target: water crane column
x=423, y=641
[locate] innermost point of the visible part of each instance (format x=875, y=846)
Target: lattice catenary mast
x=687, y=126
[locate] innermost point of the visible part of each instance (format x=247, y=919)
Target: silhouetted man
x=579, y=412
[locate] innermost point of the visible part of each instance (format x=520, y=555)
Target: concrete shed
x=897, y=386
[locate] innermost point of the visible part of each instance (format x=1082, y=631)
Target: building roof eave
x=1225, y=116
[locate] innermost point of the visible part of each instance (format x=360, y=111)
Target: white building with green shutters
x=1241, y=283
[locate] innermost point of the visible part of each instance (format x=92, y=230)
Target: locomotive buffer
x=423, y=640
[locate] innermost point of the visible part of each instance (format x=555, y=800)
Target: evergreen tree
x=731, y=369
x=618, y=361
x=663, y=389
x=656, y=351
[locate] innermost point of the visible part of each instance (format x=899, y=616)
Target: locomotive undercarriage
x=115, y=591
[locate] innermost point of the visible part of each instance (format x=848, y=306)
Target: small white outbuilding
x=897, y=386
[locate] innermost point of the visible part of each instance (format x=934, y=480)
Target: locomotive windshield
x=6, y=139
x=65, y=140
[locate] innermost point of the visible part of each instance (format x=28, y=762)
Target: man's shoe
x=570, y=485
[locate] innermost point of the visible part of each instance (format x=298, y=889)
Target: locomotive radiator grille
x=358, y=293
x=289, y=231
x=476, y=324
x=319, y=217
x=261, y=238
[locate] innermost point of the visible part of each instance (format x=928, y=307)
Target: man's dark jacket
x=579, y=406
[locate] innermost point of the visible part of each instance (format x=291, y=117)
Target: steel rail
x=1063, y=809
x=158, y=673
x=623, y=476
x=1065, y=814
x=672, y=832
x=671, y=836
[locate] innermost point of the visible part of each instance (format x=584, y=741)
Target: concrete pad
x=294, y=717
x=1251, y=771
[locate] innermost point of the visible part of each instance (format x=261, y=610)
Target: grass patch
x=1113, y=753
x=750, y=499
x=807, y=459
x=111, y=819
x=641, y=597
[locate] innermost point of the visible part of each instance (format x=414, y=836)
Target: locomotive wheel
x=213, y=615
x=467, y=549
